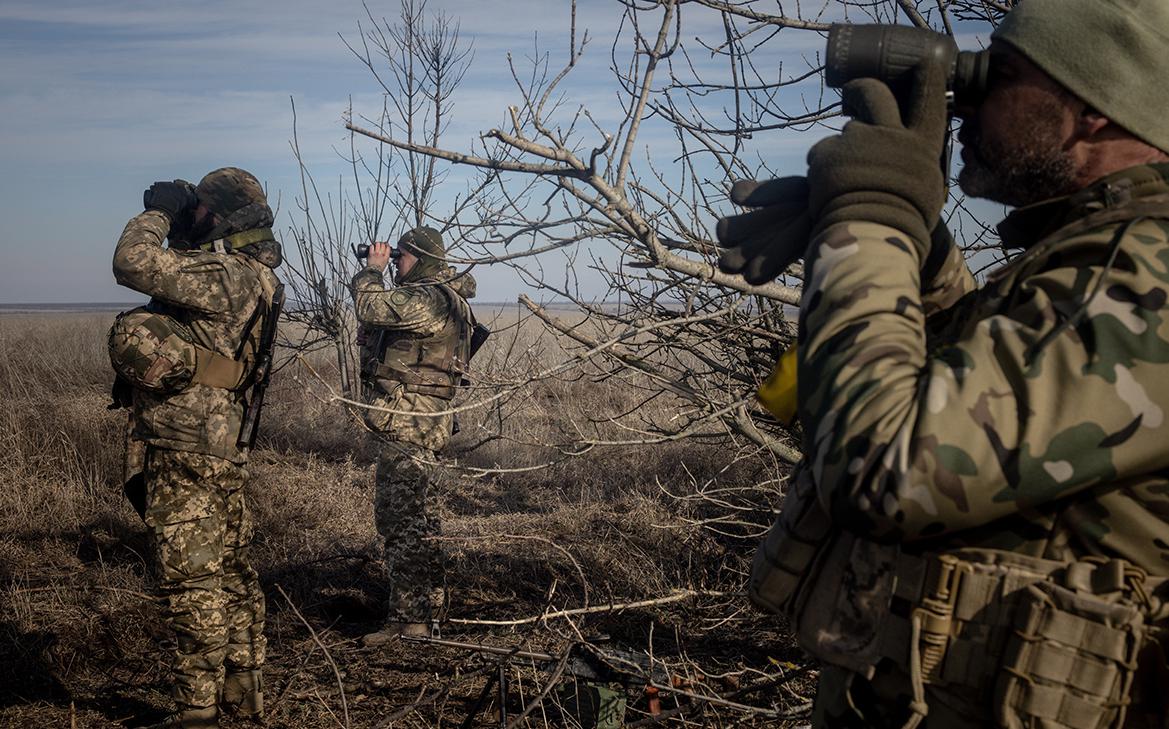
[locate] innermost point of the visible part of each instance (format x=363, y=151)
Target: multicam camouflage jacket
x=216, y=296
x=429, y=319
x=1030, y=415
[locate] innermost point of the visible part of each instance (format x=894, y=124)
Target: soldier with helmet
x=191, y=365
x=979, y=533
x=417, y=343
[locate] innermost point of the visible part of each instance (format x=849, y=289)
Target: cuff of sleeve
x=880, y=209
x=368, y=274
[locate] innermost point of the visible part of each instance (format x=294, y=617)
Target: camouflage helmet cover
x=423, y=241
x=229, y=189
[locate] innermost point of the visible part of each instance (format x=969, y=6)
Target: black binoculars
x=889, y=53
x=361, y=250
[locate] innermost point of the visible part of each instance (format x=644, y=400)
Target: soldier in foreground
x=979, y=533
x=192, y=365
x=417, y=345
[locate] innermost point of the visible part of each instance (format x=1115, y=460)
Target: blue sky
x=100, y=99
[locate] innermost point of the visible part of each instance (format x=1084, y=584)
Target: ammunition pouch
x=1045, y=643
x=792, y=544
x=439, y=385
x=1072, y=657
x=157, y=353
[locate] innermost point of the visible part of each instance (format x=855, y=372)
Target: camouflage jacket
x=1028, y=415
x=414, y=311
x=215, y=295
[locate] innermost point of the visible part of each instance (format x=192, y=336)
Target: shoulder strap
x=231, y=373
x=465, y=315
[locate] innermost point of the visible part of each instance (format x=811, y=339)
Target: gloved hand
x=885, y=166
x=172, y=198
x=761, y=244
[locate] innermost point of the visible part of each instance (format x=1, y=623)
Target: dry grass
x=78, y=635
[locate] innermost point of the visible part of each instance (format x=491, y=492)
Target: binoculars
x=889, y=53
x=361, y=250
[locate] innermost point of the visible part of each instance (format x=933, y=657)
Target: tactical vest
x=432, y=365
x=1041, y=643
x=153, y=348
x=1045, y=643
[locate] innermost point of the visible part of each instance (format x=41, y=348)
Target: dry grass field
x=531, y=532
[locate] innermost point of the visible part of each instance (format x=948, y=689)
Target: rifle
x=598, y=706
x=262, y=372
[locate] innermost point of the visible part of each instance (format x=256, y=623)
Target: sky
x=98, y=100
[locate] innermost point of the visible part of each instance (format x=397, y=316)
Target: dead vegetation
x=542, y=543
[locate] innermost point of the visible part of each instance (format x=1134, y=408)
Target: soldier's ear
x=1089, y=123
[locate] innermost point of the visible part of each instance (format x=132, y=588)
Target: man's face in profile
x=1015, y=143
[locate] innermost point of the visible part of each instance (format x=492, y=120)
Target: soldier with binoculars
x=979, y=533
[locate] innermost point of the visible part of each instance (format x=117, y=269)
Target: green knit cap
x=425, y=243
x=1112, y=54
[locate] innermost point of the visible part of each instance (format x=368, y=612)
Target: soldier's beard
x=1028, y=168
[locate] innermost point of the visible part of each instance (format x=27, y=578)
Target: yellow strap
x=778, y=391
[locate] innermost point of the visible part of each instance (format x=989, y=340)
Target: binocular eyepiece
x=361, y=250
x=889, y=53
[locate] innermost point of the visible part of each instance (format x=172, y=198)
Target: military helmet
x=1112, y=54
x=423, y=241
x=229, y=189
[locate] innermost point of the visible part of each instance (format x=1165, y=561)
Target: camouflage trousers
x=406, y=514
x=200, y=531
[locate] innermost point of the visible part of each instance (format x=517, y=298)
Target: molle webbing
x=440, y=386
x=233, y=373
x=1044, y=639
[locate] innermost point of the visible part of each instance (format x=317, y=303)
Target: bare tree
x=609, y=217
x=638, y=216
x=612, y=213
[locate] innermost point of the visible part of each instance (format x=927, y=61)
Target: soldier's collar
x=1026, y=225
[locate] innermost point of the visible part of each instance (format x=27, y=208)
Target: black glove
x=172, y=198
x=885, y=166
x=761, y=244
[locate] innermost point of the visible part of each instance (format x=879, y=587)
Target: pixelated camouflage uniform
x=428, y=319
x=1027, y=417
x=199, y=525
